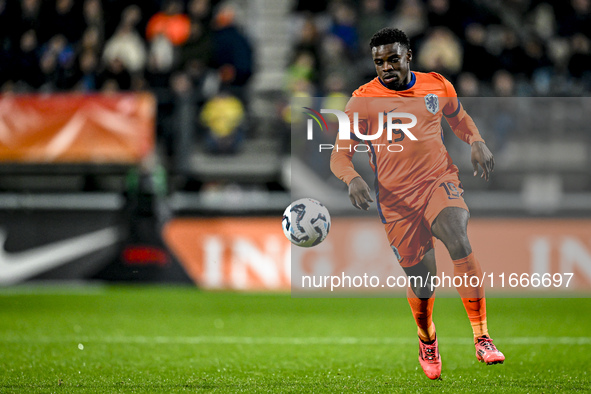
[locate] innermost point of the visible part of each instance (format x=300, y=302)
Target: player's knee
x=458, y=247
x=455, y=239
x=420, y=275
x=423, y=292
x=451, y=228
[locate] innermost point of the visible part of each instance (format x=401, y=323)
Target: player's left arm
x=464, y=127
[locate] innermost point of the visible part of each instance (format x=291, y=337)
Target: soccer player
x=418, y=192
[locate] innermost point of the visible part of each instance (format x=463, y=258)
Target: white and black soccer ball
x=306, y=222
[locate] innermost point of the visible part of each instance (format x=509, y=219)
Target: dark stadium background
x=244, y=61
x=222, y=76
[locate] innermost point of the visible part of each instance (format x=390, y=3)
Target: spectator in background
x=223, y=118
x=92, y=13
x=535, y=56
x=109, y=86
x=87, y=63
x=170, y=23
x=335, y=92
x=372, y=14
x=113, y=12
x=114, y=77
x=162, y=54
x=441, y=13
x=579, y=64
x=468, y=85
x=512, y=57
x=48, y=67
x=503, y=84
x=64, y=19
x=335, y=59
x=91, y=41
x=344, y=20
x=441, y=52
x=232, y=52
x=68, y=72
x=58, y=63
x=197, y=48
x=158, y=69
x=559, y=52
x=27, y=67
x=303, y=88
x=575, y=20
x=309, y=42
x=200, y=11
x=30, y=18
x=504, y=121
x=126, y=44
x=196, y=55
x=302, y=68
x=542, y=21
x=477, y=59
x=411, y=18
x=513, y=13
x=537, y=66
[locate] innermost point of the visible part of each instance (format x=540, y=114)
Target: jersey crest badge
x=432, y=103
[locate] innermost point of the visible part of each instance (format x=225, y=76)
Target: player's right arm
x=342, y=166
x=359, y=193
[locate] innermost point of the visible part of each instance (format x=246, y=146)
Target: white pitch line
x=234, y=340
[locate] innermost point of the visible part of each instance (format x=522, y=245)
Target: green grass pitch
x=180, y=339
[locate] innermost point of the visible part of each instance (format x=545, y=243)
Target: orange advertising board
x=238, y=253
x=253, y=254
x=114, y=128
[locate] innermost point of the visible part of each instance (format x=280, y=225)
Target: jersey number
x=451, y=190
x=398, y=132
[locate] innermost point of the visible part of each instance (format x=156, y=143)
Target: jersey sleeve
x=341, y=157
x=460, y=122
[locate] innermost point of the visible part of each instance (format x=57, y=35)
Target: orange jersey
x=406, y=169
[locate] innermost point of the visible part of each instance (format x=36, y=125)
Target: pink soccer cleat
x=430, y=359
x=487, y=352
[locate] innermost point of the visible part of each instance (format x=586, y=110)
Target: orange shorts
x=411, y=237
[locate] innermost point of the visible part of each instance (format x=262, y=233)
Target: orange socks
x=422, y=311
x=472, y=297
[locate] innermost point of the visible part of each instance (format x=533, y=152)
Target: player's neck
x=409, y=82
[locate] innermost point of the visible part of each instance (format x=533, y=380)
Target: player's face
x=392, y=63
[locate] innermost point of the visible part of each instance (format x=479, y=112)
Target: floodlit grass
x=179, y=339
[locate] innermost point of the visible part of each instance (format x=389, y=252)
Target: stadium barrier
x=523, y=257
x=51, y=226
x=77, y=128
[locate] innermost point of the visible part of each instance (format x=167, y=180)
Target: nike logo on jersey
x=19, y=266
x=392, y=110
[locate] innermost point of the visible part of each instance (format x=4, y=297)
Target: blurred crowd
x=485, y=47
x=197, y=60
x=182, y=50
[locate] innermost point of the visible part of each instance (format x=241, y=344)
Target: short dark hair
x=389, y=35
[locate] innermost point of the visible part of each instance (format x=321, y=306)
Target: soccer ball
x=306, y=222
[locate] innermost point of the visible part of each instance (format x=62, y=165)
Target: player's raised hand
x=359, y=193
x=483, y=156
